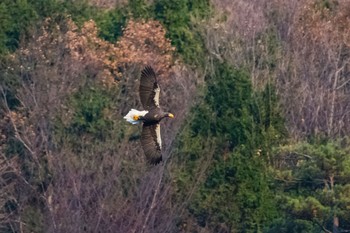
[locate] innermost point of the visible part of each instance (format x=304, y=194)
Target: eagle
x=151, y=116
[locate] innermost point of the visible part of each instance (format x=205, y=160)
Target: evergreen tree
x=315, y=191
x=235, y=193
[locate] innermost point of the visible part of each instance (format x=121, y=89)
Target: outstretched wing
x=151, y=142
x=149, y=89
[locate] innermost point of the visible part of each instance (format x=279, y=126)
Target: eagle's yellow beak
x=171, y=115
x=135, y=117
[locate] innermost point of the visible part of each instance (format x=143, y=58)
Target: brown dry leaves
x=86, y=47
x=321, y=24
x=143, y=42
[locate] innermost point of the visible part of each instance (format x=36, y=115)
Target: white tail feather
x=130, y=116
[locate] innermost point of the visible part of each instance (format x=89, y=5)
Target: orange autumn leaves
x=143, y=42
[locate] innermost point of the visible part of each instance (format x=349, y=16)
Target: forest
x=260, y=90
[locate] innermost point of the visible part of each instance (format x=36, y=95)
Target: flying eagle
x=149, y=91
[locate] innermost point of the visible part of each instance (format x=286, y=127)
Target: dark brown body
x=154, y=116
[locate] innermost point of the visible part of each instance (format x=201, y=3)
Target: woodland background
x=261, y=94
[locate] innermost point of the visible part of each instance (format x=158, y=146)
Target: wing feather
x=151, y=142
x=149, y=89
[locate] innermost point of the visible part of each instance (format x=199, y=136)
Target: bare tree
x=77, y=182
x=314, y=79
x=301, y=47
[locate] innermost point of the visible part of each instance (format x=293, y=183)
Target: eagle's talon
x=136, y=117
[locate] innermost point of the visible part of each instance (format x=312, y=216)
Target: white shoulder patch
x=159, y=138
x=156, y=96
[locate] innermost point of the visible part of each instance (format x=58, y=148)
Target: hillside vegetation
x=260, y=91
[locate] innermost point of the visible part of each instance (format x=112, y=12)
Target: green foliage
x=15, y=17
x=294, y=226
x=320, y=184
x=327, y=4
x=235, y=130
x=18, y=18
x=177, y=16
x=233, y=111
x=110, y=24
x=80, y=10
x=270, y=130
x=139, y=9
x=91, y=117
x=229, y=99
x=236, y=193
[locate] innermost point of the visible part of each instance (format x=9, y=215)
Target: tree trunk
x=335, y=224
x=335, y=218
